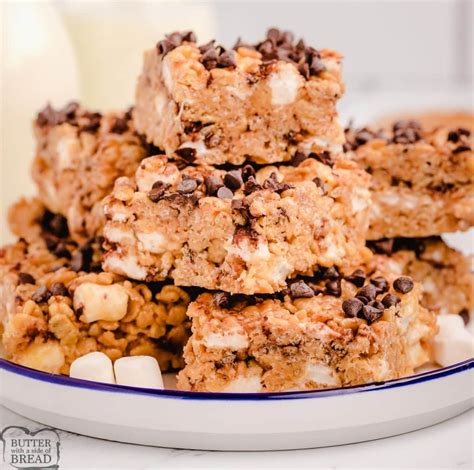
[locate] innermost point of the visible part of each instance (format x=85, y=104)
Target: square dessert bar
x=319, y=334
x=422, y=181
x=444, y=273
x=79, y=156
x=57, y=305
x=257, y=102
x=244, y=230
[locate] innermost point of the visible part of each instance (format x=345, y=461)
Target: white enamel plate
x=230, y=421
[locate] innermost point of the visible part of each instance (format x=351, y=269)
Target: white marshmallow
x=285, y=84
x=138, y=371
x=109, y=303
x=453, y=343
x=95, y=366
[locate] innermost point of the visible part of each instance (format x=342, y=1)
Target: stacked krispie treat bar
x=221, y=225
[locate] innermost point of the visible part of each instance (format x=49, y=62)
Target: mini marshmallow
x=99, y=302
x=453, y=343
x=138, y=371
x=94, y=366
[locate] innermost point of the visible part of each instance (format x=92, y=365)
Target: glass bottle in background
x=37, y=65
x=109, y=39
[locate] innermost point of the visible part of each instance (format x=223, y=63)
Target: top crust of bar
x=255, y=109
x=79, y=156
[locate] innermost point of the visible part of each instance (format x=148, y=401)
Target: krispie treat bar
x=57, y=305
x=79, y=156
x=444, y=273
x=244, y=230
x=434, y=119
x=323, y=332
x=422, y=181
x=258, y=102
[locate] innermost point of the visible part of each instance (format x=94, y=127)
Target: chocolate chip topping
x=403, y=284
x=233, y=179
x=381, y=284
x=371, y=313
x=58, y=288
x=157, y=191
x=224, y=193
x=352, y=307
x=222, y=299
x=300, y=289
x=334, y=288
x=369, y=292
x=319, y=183
x=119, y=126
x=330, y=273
x=298, y=157
x=188, y=154
x=215, y=56
x=390, y=300
x=358, y=137
x=52, y=117
x=464, y=314
x=251, y=186
x=82, y=259
x=281, y=45
x=26, y=278
x=384, y=247
x=40, y=295
x=461, y=148
x=174, y=40
x=357, y=278
x=212, y=184
x=273, y=184
x=187, y=186
x=247, y=172
x=323, y=157
x=406, y=132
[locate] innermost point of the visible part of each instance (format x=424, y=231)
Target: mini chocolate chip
x=303, y=69
x=157, y=191
x=58, y=288
x=119, y=126
x=461, y=148
x=465, y=132
x=371, y=314
x=330, y=273
x=224, y=193
x=363, y=299
x=357, y=278
x=233, y=179
x=187, y=154
x=226, y=59
x=251, y=186
x=384, y=246
x=323, y=157
x=319, y=183
x=82, y=259
x=352, y=307
x=58, y=226
x=212, y=183
x=187, y=186
x=403, y=284
x=40, y=295
x=390, y=300
x=380, y=283
x=61, y=250
x=369, y=291
x=247, y=172
x=222, y=299
x=298, y=158
x=377, y=304
x=316, y=288
x=300, y=289
x=333, y=288
x=464, y=314
x=26, y=278
x=453, y=136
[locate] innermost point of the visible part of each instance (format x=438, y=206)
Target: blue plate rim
x=178, y=394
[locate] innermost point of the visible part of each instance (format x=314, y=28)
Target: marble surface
x=446, y=445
